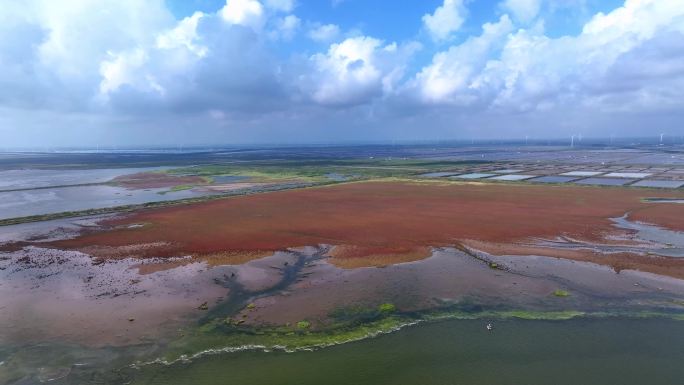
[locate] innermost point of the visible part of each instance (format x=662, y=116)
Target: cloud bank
x=128, y=70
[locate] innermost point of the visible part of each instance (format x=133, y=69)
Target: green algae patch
x=218, y=337
x=503, y=314
x=547, y=315
x=182, y=187
x=353, y=324
x=223, y=335
x=387, y=308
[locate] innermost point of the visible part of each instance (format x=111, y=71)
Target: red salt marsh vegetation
x=143, y=180
x=377, y=223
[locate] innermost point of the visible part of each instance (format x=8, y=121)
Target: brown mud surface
x=143, y=180
x=380, y=223
x=52, y=295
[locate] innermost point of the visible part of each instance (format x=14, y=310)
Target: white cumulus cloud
x=446, y=19
x=450, y=76
x=355, y=71
x=324, y=33
x=628, y=59
x=537, y=70
x=288, y=26
x=523, y=10
x=120, y=69
x=249, y=13
x=183, y=35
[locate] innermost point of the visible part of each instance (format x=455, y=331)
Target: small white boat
x=489, y=327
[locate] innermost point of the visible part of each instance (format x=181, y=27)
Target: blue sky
x=134, y=72
x=399, y=21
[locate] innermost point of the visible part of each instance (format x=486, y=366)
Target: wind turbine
x=572, y=141
x=661, y=138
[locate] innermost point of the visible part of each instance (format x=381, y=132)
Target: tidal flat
x=371, y=278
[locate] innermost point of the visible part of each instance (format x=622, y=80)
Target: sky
x=217, y=72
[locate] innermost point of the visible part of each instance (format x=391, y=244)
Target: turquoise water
x=579, y=351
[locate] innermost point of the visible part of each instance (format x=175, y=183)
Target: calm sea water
x=581, y=351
